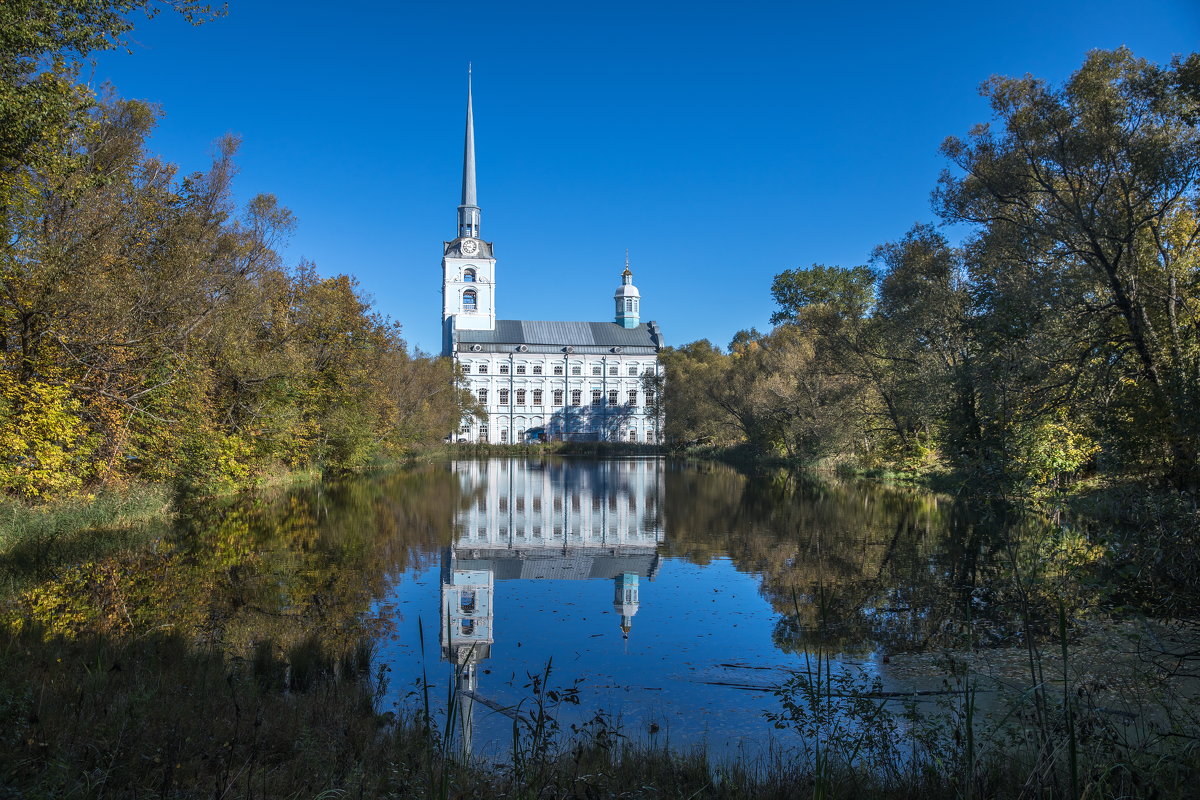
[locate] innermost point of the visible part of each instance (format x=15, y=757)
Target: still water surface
x=672, y=595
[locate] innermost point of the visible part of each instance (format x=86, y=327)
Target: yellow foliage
x=42, y=439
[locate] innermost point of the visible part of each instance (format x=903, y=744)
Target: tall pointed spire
x=468, y=211
x=468, y=192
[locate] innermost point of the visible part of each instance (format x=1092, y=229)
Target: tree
x=41, y=43
x=924, y=340
x=1091, y=191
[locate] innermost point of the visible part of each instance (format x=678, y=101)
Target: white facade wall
x=526, y=509
x=505, y=376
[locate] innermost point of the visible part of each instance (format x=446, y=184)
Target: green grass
x=36, y=540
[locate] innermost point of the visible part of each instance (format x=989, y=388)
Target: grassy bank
x=36, y=540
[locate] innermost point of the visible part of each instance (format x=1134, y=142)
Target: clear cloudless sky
x=721, y=143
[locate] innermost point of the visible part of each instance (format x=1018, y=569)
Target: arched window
x=628, y=303
x=470, y=300
x=469, y=275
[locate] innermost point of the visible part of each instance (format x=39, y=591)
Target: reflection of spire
x=625, y=601
x=466, y=681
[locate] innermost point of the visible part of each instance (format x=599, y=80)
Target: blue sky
x=719, y=143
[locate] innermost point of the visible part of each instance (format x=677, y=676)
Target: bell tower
x=629, y=299
x=468, y=265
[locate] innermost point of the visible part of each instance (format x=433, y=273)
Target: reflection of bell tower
x=625, y=601
x=466, y=632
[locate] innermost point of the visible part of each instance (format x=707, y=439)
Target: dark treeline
x=149, y=328
x=1060, y=340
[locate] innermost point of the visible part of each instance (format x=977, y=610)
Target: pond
x=670, y=596
x=672, y=602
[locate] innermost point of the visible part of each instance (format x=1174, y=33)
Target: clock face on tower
x=469, y=247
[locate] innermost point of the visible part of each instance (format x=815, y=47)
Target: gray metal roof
x=579, y=334
x=572, y=564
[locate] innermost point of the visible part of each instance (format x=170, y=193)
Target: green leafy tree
x=1089, y=191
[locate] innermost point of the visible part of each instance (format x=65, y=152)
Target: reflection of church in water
x=538, y=521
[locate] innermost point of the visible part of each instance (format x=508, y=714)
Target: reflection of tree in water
x=849, y=566
x=279, y=565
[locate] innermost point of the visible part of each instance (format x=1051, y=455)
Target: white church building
x=542, y=380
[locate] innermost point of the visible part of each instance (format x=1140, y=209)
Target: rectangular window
x=558, y=397
x=504, y=369
x=595, y=369
x=612, y=397
x=576, y=397
x=612, y=370
x=558, y=369
x=520, y=369
x=537, y=397
x=483, y=369
x=483, y=396
x=537, y=369
x=633, y=369
x=520, y=397
x=576, y=370
x=633, y=397
x=504, y=397
x=483, y=437
x=595, y=397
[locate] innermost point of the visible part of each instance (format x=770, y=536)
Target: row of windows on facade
x=536, y=369
x=629, y=435
x=576, y=397
x=545, y=476
x=575, y=532
x=576, y=503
